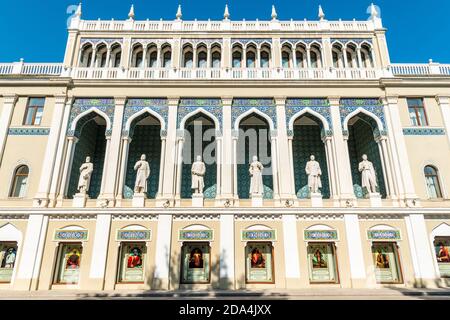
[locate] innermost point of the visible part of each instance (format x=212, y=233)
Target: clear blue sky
x=36, y=29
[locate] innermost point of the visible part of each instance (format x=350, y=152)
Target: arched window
x=237, y=59
x=285, y=59
x=167, y=57
x=19, y=186
x=265, y=57
x=314, y=60
x=86, y=56
x=216, y=59
x=432, y=180
x=202, y=60
x=300, y=59
x=251, y=59
x=153, y=58
x=139, y=59
x=188, y=59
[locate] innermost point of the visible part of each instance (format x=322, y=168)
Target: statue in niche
x=84, y=181
x=198, y=171
x=368, y=175
x=256, y=180
x=142, y=169
x=314, y=173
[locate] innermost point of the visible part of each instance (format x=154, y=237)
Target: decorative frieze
x=424, y=131
x=383, y=235
x=296, y=41
x=345, y=41
x=97, y=41
x=245, y=41
x=71, y=235
x=196, y=235
x=133, y=235
x=259, y=235
x=320, y=235
x=29, y=131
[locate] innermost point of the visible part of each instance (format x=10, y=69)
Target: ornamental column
x=227, y=150
x=399, y=151
x=9, y=101
x=444, y=105
x=111, y=167
x=71, y=142
x=168, y=188
x=48, y=168
x=123, y=169
x=340, y=153
x=286, y=188
x=58, y=164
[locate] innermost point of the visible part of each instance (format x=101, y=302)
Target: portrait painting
x=134, y=258
x=381, y=259
x=73, y=259
x=442, y=248
x=319, y=259
x=257, y=259
x=196, y=259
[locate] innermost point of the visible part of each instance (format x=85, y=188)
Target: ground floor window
x=195, y=263
x=131, y=264
x=387, y=262
x=8, y=256
x=442, y=249
x=259, y=263
x=322, y=263
x=68, y=263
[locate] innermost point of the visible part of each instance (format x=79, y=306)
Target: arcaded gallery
x=223, y=154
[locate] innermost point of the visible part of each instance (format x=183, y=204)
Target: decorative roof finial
x=226, y=14
x=321, y=13
x=179, y=14
x=78, y=12
x=274, y=13
x=131, y=13
x=373, y=11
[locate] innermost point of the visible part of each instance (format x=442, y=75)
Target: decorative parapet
x=424, y=131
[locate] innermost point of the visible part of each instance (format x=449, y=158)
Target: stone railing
x=224, y=74
x=21, y=68
x=420, y=69
x=225, y=25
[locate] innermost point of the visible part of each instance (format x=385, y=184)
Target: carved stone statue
x=198, y=172
x=142, y=169
x=256, y=180
x=314, y=173
x=84, y=181
x=368, y=175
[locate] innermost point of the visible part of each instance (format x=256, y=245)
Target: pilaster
x=100, y=251
x=9, y=101
x=112, y=157
x=227, y=147
x=48, y=167
x=444, y=105
x=161, y=279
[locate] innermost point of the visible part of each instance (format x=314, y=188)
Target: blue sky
x=36, y=29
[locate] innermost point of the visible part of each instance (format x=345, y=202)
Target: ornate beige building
x=227, y=91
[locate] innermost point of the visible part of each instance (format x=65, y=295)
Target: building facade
x=226, y=90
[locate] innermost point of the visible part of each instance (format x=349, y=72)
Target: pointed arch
x=100, y=113
x=305, y=111
x=367, y=113
x=9, y=232
x=442, y=230
x=320, y=227
x=251, y=111
x=142, y=112
x=196, y=112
